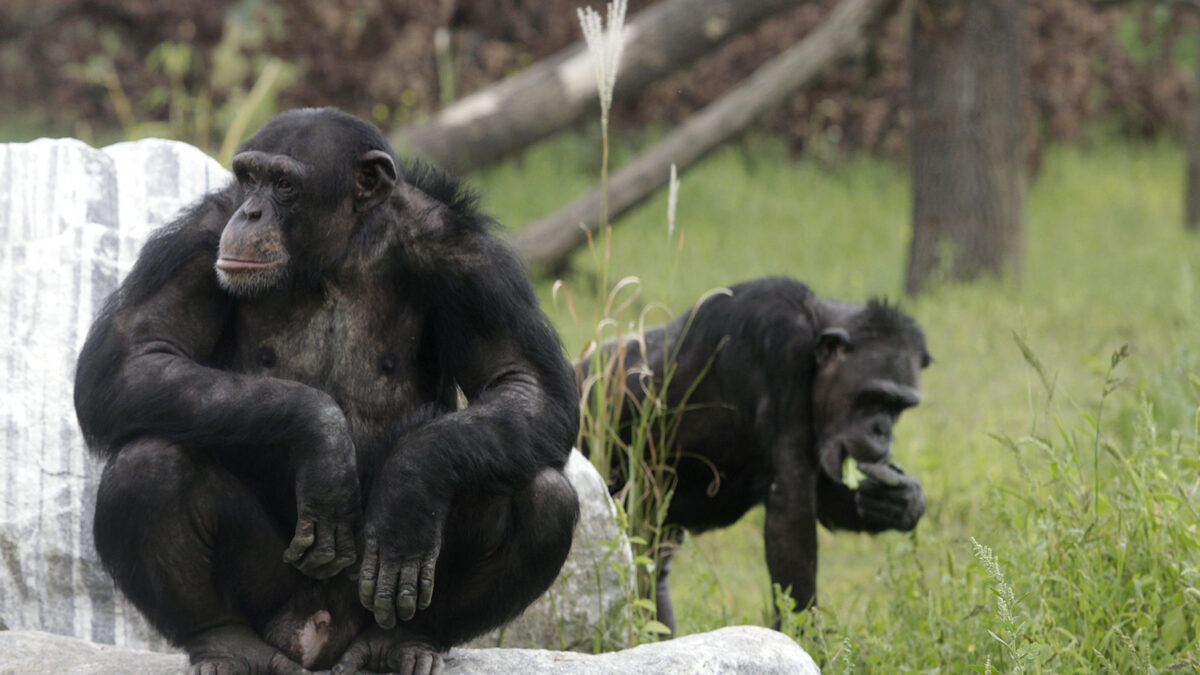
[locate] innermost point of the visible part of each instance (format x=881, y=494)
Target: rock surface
x=28, y=651
x=744, y=650
x=72, y=220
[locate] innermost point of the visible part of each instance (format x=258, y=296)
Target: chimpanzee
x=275, y=388
x=785, y=386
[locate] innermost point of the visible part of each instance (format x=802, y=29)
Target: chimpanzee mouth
x=249, y=278
x=834, y=457
x=228, y=265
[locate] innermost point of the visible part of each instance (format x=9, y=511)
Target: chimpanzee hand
x=889, y=498
x=403, y=536
x=327, y=508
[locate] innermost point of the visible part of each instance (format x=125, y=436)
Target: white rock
x=72, y=219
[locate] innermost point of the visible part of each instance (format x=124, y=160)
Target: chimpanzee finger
x=316, y=562
x=347, y=550
x=368, y=572
x=883, y=492
x=883, y=472
x=326, y=571
x=408, y=663
x=340, y=552
x=301, y=541
x=425, y=596
x=880, y=510
x=359, y=540
x=385, y=594
x=428, y=663
x=895, y=508
x=406, y=597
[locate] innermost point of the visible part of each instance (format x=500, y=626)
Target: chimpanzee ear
x=832, y=343
x=374, y=179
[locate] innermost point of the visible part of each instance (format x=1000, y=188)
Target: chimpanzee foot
x=237, y=650
x=390, y=651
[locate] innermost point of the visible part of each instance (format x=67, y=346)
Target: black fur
x=235, y=415
x=764, y=408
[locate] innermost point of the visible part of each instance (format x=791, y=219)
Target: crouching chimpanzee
x=274, y=388
x=785, y=386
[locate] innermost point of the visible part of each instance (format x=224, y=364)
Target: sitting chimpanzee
x=275, y=389
x=785, y=386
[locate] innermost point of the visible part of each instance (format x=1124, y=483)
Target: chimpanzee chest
x=361, y=346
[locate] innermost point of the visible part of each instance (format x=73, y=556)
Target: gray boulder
x=744, y=650
x=72, y=220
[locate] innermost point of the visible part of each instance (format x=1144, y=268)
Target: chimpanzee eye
x=284, y=186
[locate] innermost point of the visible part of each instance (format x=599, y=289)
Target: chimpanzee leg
x=498, y=555
x=671, y=540
x=195, y=550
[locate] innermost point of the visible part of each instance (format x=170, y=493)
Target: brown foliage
x=45, y=43
x=358, y=54
x=377, y=58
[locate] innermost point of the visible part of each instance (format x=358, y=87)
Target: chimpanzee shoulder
x=771, y=303
x=474, y=273
x=445, y=187
x=768, y=320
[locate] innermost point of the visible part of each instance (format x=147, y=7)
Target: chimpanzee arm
x=522, y=417
x=790, y=533
x=523, y=405
x=887, y=499
x=146, y=370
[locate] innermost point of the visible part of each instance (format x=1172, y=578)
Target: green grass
x=1092, y=583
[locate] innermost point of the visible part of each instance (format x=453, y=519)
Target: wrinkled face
x=301, y=194
x=253, y=257
x=858, y=395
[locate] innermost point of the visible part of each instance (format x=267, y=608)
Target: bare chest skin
x=357, y=342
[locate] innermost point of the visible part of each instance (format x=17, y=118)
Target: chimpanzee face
x=302, y=194
x=858, y=394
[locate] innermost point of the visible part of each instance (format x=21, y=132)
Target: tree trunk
x=967, y=168
x=553, y=93
x=546, y=244
x=1192, y=203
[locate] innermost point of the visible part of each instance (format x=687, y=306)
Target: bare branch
x=545, y=245
x=554, y=93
